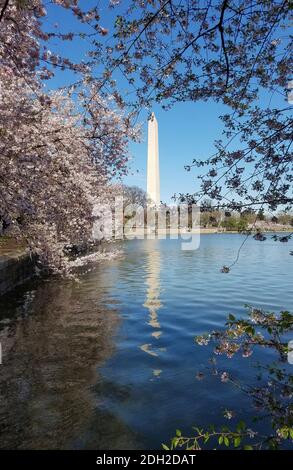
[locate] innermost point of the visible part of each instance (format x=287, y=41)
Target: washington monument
x=153, y=170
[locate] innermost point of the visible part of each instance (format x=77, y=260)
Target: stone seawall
x=15, y=268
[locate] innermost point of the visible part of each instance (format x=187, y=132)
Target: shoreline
x=17, y=265
x=198, y=231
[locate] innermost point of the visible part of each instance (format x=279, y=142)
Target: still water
x=111, y=363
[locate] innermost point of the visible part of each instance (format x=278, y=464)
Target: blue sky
x=186, y=131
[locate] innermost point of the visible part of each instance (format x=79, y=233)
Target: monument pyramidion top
x=152, y=117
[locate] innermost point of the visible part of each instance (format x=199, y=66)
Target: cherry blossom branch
x=4, y=9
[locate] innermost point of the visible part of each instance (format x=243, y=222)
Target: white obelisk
x=153, y=170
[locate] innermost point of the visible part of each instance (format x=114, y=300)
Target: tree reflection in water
x=52, y=350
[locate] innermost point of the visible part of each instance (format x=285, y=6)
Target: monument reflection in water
x=153, y=303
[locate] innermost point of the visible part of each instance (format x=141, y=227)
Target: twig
x=3, y=9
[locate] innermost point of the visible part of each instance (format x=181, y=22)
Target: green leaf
x=284, y=432
x=221, y=440
x=248, y=448
x=231, y=317
x=165, y=447
x=174, y=443
x=206, y=438
x=240, y=426
x=226, y=441
x=237, y=441
x=178, y=433
x=250, y=330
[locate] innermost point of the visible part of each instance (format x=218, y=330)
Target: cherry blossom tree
x=59, y=151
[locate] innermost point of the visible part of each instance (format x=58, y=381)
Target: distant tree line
x=240, y=221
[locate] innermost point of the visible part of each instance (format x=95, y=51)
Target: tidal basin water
x=111, y=363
